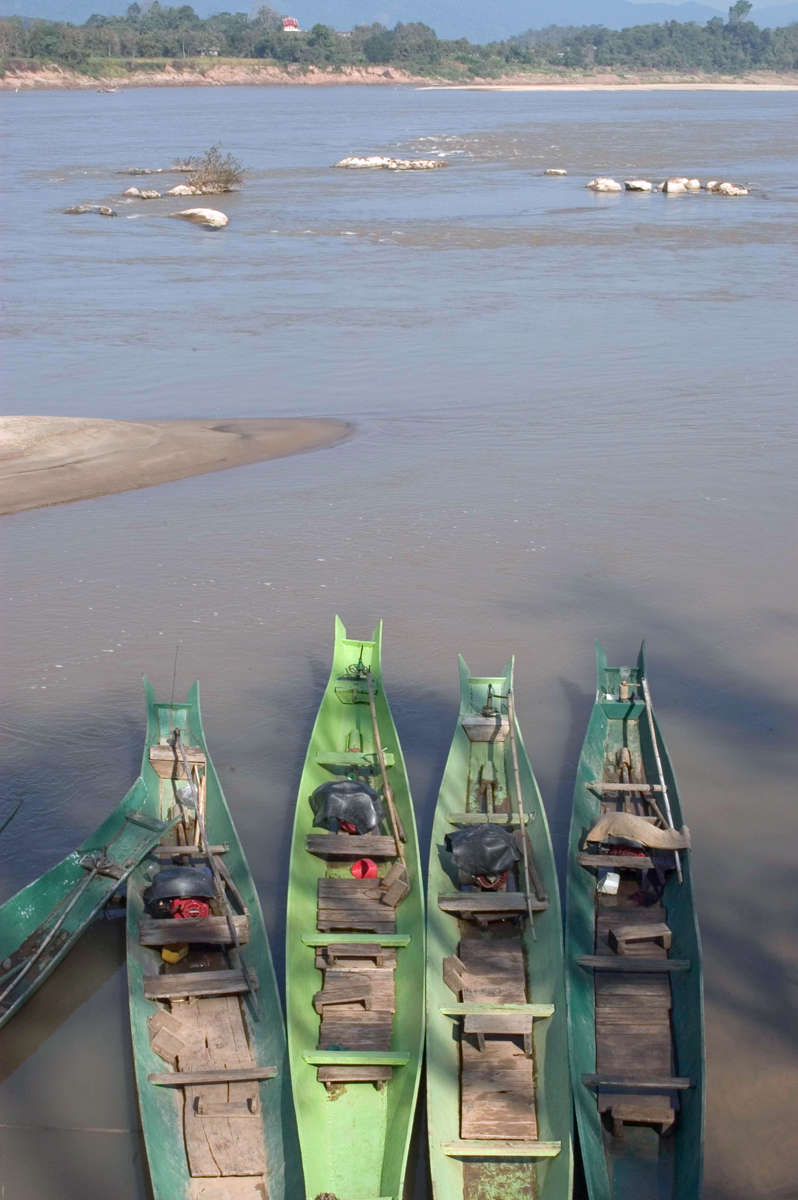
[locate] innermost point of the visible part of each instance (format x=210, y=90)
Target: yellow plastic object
x=175, y=952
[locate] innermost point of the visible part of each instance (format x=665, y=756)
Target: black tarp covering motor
x=177, y=883
x=486, y=850
x=348, y=800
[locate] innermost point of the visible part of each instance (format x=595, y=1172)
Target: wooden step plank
x=466, y=1148
x=621, y=936
x=630, y=916
x=336, y=885
x=375, y=1075
x=197, y=983
x=349, y=991
x=367, y=950
x=188, y=851
x=355, y=939
x=356, y=1058
x=352, y=758
x=615, y=862
x=211, y=930
x=497, y=1092
x=605, y=962
x=498, y=1022
x=488, y=902
x=474, y=818
x=378, y=983
x=620, y=1083
x=536, y=1011
x=350, y=845
x=611, y=786
x=222, y=1075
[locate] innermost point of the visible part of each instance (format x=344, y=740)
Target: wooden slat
x=352, y=758
x=606, y=962
x=610, y=786
x=488, y=902
x=498, y=1022
x=169, y=766
x=465, y=1148
x=197, y=983
x=473, y=818
x=619, y=1083
x=494, y=971
x=222, y=1075
x=616, y=862
x=188, y=851
x=354, y=1074
x=378, y=983
x=606, y=917
x=355, y=1031
x=351, y=954
x=497, y=1092
x=213, y=930
x=355, y=939
x=537, y=1011
x=352, y=990
x=350, y=845
x=355, y=1058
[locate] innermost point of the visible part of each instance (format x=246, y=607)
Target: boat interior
x=364, y=881
x=492, y=1008
x=635, y=1081
x=198, y=979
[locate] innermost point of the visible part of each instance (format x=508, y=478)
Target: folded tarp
x=636, y=829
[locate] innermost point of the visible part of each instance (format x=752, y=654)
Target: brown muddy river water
x=576, y=419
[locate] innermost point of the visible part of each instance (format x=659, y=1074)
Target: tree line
x=153, y=31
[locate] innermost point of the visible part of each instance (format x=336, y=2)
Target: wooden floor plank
x=498, y=1091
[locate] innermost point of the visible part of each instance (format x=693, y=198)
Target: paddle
x=396, y=824
x=665, y=801
x=524, y=846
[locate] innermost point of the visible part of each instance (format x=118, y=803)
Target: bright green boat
x=498, y=1089
x=208, y=1037
x=633, y=957
x=41, y=924
x=355, y=945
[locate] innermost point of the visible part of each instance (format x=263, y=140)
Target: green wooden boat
x=208, y=1036
x=636, y=1035
x=355, y=948
x=41, y=924
x=498, y=1090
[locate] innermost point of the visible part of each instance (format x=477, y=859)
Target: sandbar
x=55, y=460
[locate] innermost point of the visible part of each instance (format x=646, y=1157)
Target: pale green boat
x=636, y=1034
x=499, y=1105
x=41, y=924
x=208, y=1036
x=355, y=1064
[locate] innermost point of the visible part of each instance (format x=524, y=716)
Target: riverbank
x=256, y=72
x=55, y=460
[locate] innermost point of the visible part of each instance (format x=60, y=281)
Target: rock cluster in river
x=675, y=186
x=392, y=164
x=603, y=184
x=143, y=193
x=101, y=209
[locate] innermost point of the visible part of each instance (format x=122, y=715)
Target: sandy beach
x=54, y=460
x=255, y=72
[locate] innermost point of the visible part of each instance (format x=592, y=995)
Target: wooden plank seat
x=353, y=904
x=481, y=818
x=355, y=1031
x=197, y=983
x=174, y=851
x=350, y=845
x=340, y=955
x=464, y=904
x=499, y=1023
x=330, y=1076
x=169, y=765
x=321, y=940
x=621, y=936
x=619, y=1083
x=536, y=1011
x=215, y=931
x=470, y=1148
x=349, y=990
x=359, y=1058
x=615, y=862
x=607, y=962
x=222, y=1075
x=497, y=1091
x=493, y=971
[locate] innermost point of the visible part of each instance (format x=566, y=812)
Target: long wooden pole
x=217, y=878
x=396, y=825
x=520, y=799
x=666, y=804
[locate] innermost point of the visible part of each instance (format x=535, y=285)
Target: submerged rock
x=731, y=189
x=101, y=209
x=105, y=211
x=138, y=171
x=554, y=171
x=674, y=187
x=637, y=185
x=392, y=164
x=692, y=185
x=603, y=184
x=184, y=189
x=208, y=217
x=713, y=185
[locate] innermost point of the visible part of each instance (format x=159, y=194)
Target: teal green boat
x=633, y=956
x=355, y=940
x=208, y=1036
x=41, y=924
x=498, y=1089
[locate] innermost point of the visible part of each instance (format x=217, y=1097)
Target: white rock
x=637, y=185
x=674, y=187
x=731, y=189
x=391, y=164
x=149, y=194
x=208, y=217
x=132, y=192
x=183, y=189
x=554, y=171
x=692, y=185
x=603, y=184
x=713, y=185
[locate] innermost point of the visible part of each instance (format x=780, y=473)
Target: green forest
x=152, y=35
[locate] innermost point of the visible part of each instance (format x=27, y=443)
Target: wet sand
x=54, y=460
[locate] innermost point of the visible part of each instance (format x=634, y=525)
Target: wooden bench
x=330, y=1076
x=334, y=759
x=609, y=962
x=499, y=1023
x=188, y=851
x=522, y=1148
x=488, y=905
x=618, y=1083
x=350, y=845
x=169, y=765
x=619, y=936
x=350, y=990
x=222, y=1075
x=336, y=951
x=478, y=818
x=615, y=862
x=197, y=983
x=214, y=931
x=353, y=904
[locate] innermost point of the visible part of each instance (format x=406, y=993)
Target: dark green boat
x=41, y=924
x=208, y=1035
x=633, y=957
x=499, y=1108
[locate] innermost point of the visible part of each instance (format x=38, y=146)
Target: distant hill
x=472, y=19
